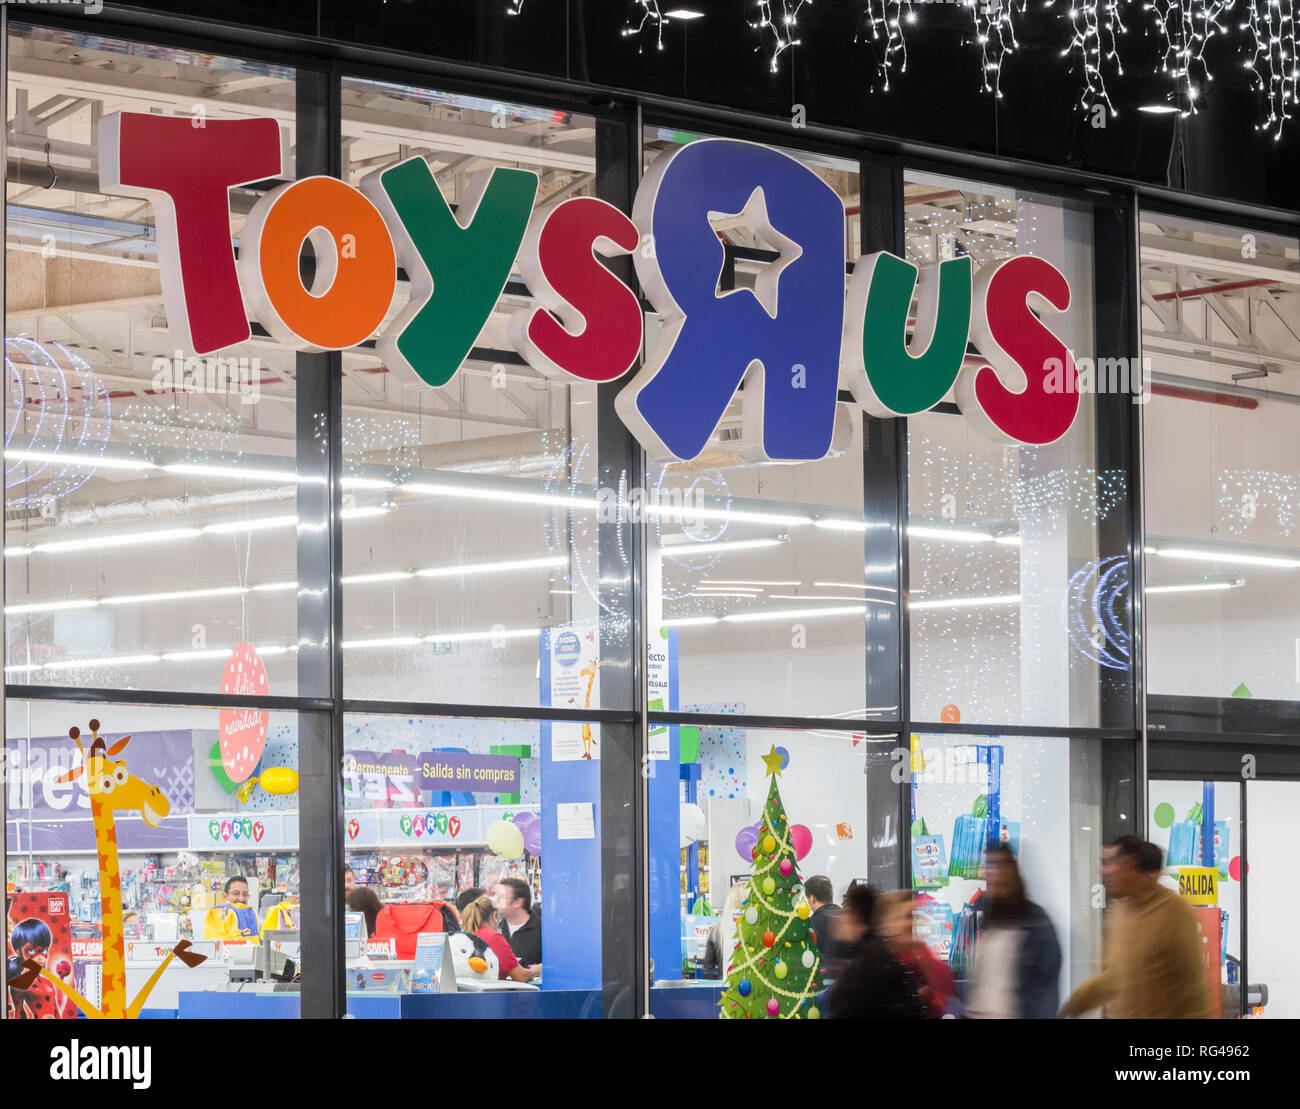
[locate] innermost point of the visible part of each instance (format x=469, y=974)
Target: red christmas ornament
x=768, y=939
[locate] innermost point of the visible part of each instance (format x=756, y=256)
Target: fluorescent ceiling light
x=1196, y=587
x=465, y=569
x=795, y=613
x=683, y=14
x=824, y=597
x=17, y=552
x=968, y=602
x=840, y=524
x=85, y=663
x=48, y=606
x=99, y=462
x=1157, y=109
x=851, y=585
x=275, y=586
x=102, y=542
x=1204, y=555
x=551, y=500
x=745, y=581
x=365, y=483
x=690, y=621
x=469, y=637
x=245, y=473
x=951, y=535
x=186, y=594
x=677, y=550
x=391, y=641
x=384, y=575
x=721, y=593
x=739, y=515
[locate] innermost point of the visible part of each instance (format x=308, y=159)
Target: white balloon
x=692, y=823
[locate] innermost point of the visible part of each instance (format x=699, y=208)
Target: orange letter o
x=356, y=269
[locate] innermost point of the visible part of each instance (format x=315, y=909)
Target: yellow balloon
x=279, y=779
x=505, y=840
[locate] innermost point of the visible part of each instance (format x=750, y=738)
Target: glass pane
x=487, y=534
x=1182, y=813
x=711, y=906
x=188, y=854
x=1044, y=798
x=757, y=583
x=149, y=495
x=1003, y=538
x=494, y=824
x=1274, y=897
x=1222, y=460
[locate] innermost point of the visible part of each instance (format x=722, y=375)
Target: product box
x=39, y=927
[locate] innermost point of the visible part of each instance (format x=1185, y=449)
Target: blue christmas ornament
x=744, y=988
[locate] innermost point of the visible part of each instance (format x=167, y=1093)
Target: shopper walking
x=1153, y=967
x=1017, y=957
x=874, y=985
x=931, y=978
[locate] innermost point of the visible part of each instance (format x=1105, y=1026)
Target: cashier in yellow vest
x=235, y=920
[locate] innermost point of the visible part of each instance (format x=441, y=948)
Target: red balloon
x=801, y=837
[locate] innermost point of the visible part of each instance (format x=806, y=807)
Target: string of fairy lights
x=1258, y=35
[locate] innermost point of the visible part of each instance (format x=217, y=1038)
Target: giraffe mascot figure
x=112, y=789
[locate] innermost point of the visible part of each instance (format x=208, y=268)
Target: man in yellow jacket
x=235, y=920
x=1153, y=963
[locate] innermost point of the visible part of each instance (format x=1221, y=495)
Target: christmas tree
x=775, y=967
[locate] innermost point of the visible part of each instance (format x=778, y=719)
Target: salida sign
x=792, y=339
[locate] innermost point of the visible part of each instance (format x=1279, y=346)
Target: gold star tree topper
x=773, y=761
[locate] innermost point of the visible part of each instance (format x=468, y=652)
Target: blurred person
x=1152, y=957
x=722, y=936
x=349, y=881
x=1017, y=956
x=366, y=901
x=479, y=918
x=932, y=979
x=874, y=985
x=513, y=901
x=466, y=896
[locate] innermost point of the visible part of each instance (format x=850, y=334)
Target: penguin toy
x=473, y=960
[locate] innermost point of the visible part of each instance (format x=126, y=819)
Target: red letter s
x=1019, y=347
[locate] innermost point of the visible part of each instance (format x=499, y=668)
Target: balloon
x=746, y=840
x=533, y=839
x=692, y=823
x=801, y=837
x=505, y=840
x=523, y=820
x=279, y=779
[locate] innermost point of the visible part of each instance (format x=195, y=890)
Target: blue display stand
x=571, y=895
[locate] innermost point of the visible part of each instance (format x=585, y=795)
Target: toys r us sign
x=792, y=340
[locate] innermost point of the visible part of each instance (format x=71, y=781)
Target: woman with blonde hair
x=722, y=936
x=479, y=918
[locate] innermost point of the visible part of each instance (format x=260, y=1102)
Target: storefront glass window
x=149, y=495
x=760, y=598
x=1219, y=312
x=173, y=836
x=1004, y=567
x=486, y=533
x=455, y=822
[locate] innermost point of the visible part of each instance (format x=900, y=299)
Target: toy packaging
x=39, y=927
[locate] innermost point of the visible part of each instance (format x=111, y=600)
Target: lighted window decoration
x=1245, y=493
x=1098, y=617
x=57, y=419
x=883, y=22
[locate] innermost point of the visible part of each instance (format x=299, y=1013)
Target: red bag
x=402, y=922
